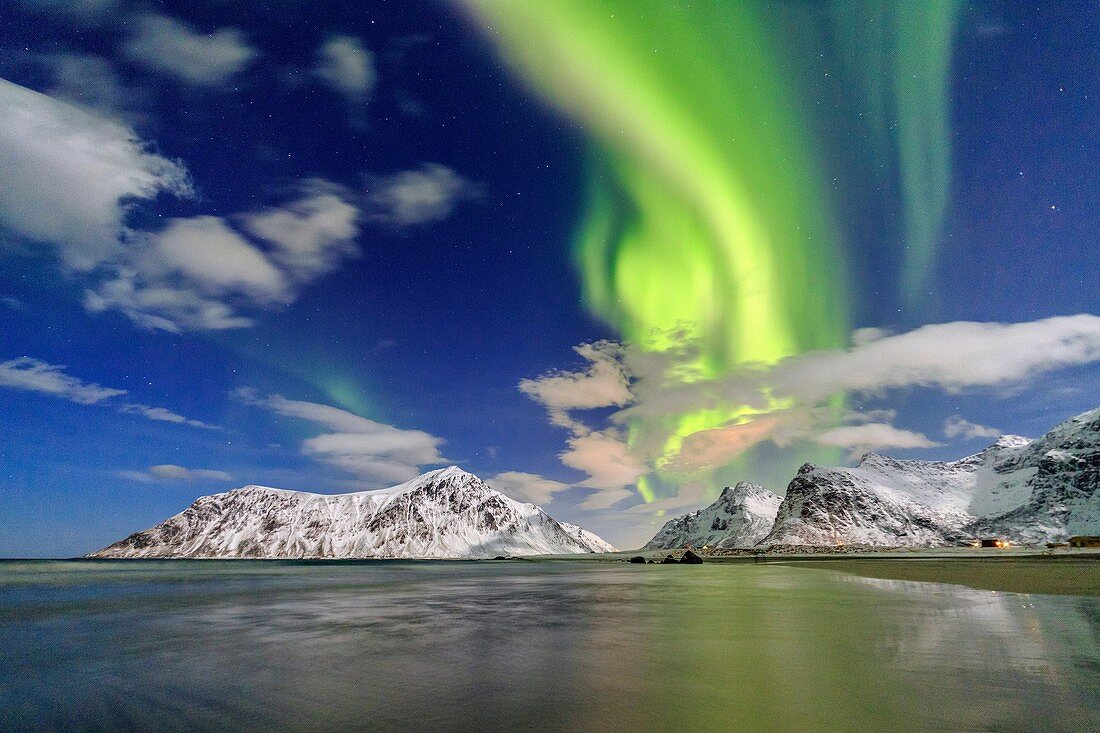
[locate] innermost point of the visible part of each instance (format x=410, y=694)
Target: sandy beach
x=1015, y=570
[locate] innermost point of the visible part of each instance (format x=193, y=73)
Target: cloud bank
x=792, y=400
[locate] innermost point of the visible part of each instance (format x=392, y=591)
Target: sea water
x=531, y=646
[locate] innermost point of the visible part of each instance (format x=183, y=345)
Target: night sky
x=609, y=256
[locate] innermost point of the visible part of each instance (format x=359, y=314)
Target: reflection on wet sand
x=542, y=646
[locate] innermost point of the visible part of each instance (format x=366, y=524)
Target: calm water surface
x=438, y=646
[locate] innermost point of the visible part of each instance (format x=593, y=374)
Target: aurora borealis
x=708, y=220
x=608, y=255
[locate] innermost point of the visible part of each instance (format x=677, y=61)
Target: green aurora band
x=707, y=220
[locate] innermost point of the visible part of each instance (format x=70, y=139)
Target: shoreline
x=1065, y=571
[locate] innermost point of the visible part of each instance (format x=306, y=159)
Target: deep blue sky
x=427, y=318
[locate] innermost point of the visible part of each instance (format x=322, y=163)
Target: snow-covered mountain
x=443, y=514
x=1030, y=491
x=740, y=517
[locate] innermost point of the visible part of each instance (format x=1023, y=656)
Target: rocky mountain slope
x=1029, y=491
x=443, y=514
x=740, y=517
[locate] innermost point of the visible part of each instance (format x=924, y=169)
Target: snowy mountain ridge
x=1028, y=491
x=740, y=517
x=447, y=513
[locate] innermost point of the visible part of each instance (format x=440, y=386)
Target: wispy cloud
x=171, y=47
x=418, y=196
x=371, y=450
x=602, y=383
x=162, y=414
x=528, y=487
x=34, y=375
x=959, y=427
x=347, y=67
x=311, y=235
x=172, y=472
x=602, y=454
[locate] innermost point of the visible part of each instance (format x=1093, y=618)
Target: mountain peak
x=1012, y=441
x=443, y=513
x=739, y=517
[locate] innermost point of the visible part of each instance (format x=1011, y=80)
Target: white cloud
x=171, y=472
x=605, y=499
x=604, y=383
x=371, y=450
x=310, y=236
x=164, y=415
x=70, y=175
x=958, y=427
x=948, y=356
x=171, y=47
x=213, y=258
x=34, y=375
x=795, y=399
x=864, y=336
x=528, y=487
x=418, y=197
x=159, y=306
x=605, y=458
x=347, y=67
x=872, y=436
x=197, y=273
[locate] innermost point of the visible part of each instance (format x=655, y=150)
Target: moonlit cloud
x=311, y=236
x=872, y=436
x=527, y=487
x=418, y=197
x=958, y=427
x=164, y=415
x=603, y=383
x=346, y=66
x=196, y=273
x=34, y=375
x=171, y=472
x=204, y=59
x=70, y=176
x=205, y=252
x=371, y=450
x=949, y=357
